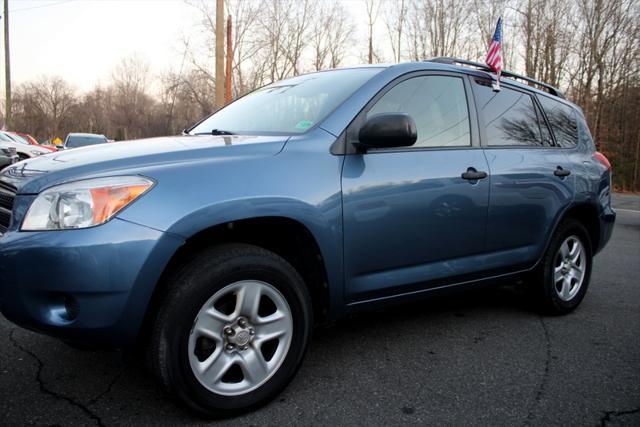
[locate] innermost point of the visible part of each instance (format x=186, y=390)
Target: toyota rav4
x=299, y=203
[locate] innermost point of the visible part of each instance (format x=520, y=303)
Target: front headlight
x=36, y=153
x=83, y=204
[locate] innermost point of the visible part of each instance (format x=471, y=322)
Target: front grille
x=7, y=197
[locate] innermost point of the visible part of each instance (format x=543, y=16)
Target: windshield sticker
x=304, y=124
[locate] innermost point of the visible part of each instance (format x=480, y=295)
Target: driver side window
x=438, y=105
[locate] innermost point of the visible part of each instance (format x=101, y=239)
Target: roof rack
x=483, y=67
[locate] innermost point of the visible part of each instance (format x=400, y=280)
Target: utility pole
x=227, y=95
x=7, y=68
x=219, y=54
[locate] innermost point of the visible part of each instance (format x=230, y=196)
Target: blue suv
x=302, y=202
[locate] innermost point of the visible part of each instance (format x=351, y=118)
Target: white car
x=8, y=155
x=23, y=148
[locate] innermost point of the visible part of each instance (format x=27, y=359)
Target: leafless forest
x=589, y=48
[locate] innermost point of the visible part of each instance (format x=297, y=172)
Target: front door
x=410, y=218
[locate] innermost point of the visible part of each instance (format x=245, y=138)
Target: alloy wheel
x=240, y=337
x=569, y=268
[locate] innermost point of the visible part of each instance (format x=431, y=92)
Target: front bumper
x=91, y=285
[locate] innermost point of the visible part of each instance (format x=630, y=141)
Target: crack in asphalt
x=54, y=394
x=545, y=375
x=608, y=414
x=107, y=390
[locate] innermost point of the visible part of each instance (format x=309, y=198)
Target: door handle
x=473, y=175
x=561, y=172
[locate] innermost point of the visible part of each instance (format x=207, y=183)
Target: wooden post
x=7, y=69
x=227, y=97
x=219, y=54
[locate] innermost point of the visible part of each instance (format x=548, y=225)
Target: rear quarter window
x=584, y=135
x=563, y=121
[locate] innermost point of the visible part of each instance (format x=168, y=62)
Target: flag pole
x=494, y=55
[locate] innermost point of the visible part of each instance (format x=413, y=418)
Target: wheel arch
x=587, y=215
x=284, y=236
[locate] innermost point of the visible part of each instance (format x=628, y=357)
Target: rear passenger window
x=438, y=105
x=562, y=119
x=510, y=117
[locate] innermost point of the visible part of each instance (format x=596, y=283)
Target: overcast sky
x=82, y=40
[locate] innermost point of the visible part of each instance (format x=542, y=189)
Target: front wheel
x=561, y=280
x=232, y=329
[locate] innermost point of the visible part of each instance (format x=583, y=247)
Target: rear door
x=531, y=181
x=410, y=219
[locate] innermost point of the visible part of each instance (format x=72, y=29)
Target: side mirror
x=388, y=130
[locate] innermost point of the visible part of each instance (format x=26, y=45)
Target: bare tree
x=331, y=32
x=45, y=105
x=603, y=22
x=373, y=9
x=547, y=37
x=485, y=14
x=437, y=28
x=130, y=99
x=283, y=34
x=395, y=20
x=245, y=14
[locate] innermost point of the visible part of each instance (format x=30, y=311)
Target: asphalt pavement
x=480, y=358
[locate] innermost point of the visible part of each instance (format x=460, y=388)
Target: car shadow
x=96, y=382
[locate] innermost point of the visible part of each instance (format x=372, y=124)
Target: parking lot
x=477, y=358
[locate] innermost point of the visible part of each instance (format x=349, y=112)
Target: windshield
x=12, y=138
x=18, y=138
x=82, y=141
x=287, y=107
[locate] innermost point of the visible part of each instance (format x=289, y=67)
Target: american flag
x=494, y=57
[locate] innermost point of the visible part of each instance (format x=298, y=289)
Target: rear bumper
x=91, y=285
x=607, y=221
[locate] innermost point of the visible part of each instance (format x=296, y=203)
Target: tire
x=189, y=334
x=22, y=157
x=560, y=281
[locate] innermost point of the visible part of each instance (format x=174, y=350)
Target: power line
x=41, y=6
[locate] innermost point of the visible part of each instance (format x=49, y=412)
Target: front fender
x=302, y=183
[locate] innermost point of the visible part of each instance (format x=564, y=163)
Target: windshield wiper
x=215, y=132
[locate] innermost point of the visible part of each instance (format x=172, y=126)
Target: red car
x=31, y=140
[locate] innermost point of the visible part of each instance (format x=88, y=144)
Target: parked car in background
x=53, y=143
x=31, y=140
x=8, y=155
x=77, y=140
x=48, y=143
x=22, y=146
x=306, y=201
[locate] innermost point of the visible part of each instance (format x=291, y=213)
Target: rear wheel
x=561, y=281
x=232, y=329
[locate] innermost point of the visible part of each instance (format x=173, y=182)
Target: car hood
x=140, y=156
